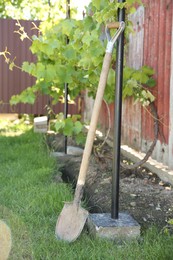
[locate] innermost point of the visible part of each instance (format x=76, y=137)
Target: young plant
x=71, y=127
x=79, y=63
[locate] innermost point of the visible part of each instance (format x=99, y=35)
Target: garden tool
x=72, y=218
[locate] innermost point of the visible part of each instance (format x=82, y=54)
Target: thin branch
x=159, y=119
x=21, y=32
x=149, y=152
x=109, y=124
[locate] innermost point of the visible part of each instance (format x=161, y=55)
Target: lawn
x=30, y=202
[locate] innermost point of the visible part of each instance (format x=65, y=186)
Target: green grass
x=30, y=202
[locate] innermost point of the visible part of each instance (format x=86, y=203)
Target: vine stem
x=109, y=124
x=150, y=150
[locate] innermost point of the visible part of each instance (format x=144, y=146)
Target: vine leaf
x=68, y=128
x=77, y=127
x=151, y=82
x=69, y=53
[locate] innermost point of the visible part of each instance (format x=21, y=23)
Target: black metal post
x=117, y=118
x=66, y=84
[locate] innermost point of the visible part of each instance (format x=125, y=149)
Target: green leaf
x=128, y=89
x=151, y=82
x=77, y=127
x=127, y=73
x=170, y=221
x=80, y=138
x=76, y=118
x=59, y=125
x=99, y=4
x=130, y=1
x=29, y=68
x=140, y=76
x=132, y=10
x=50, y=72
x=69, y=53
x=35, y=46
x=44, y=87
x=64, y=73
x=68, y=128
x=96, y=3
x=40, y=70
x=26, y=96
x=88, y=23
x=87, y=38
x=148, y=70
x=97, y=52
x=67, y=26
x=30, y=99
x=60, y=116
x=14, y=100
x=120, y=5
x=111, y=77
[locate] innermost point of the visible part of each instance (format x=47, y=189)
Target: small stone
x=157, y=208
x=71, y=150
x=106, y=181
x=133, y=204
x=133, y=195
x=153, y=180
x=167, y=188
x=145, y=181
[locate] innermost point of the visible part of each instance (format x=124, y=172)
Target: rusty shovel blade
x=70, y=222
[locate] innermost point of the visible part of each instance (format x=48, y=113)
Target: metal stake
x=66, y=84
x=117, y=118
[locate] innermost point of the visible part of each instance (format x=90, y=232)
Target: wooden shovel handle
x=113, y=25
x=92, y=128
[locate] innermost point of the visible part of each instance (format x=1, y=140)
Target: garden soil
x=142, y=193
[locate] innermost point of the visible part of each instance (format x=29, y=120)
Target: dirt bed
x=142, y=194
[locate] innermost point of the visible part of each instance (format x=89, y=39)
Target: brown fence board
x=13, y=82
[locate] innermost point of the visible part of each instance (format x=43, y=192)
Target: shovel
x=72, y=218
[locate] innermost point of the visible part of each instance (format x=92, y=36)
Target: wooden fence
x=13, y=82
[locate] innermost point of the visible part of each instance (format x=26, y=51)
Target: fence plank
x=13, y=82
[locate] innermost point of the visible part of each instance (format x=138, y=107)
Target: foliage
x=79, y=63
x=168, y=229
x=31, y=10
x=136, y=83
x=70, y=126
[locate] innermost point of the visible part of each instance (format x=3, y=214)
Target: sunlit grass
x=15, y=127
